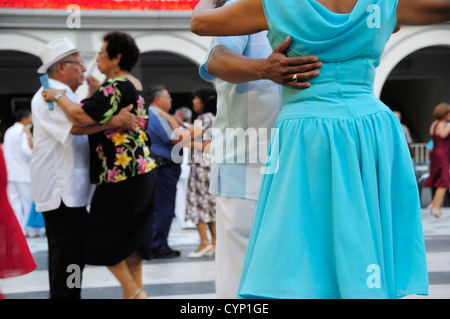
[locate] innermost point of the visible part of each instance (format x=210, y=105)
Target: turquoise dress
x=339, y=212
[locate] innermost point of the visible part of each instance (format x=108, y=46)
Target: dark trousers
x=166, y=190
x=66, y=231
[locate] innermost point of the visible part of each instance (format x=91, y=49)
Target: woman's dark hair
x=209, y=99
x=22, y=114
x=122, y=43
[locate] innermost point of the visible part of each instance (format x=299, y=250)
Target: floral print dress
x=121, y=212
x=118, y=154
x=201, y=205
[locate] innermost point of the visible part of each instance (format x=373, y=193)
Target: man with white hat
x=60, y=168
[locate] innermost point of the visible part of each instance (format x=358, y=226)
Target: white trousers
x=21, y=200
x=234, y=218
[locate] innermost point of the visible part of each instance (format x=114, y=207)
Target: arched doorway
x=18, y=83
x=413, y=74
x=416, y=85
x=177, y=73
x=406, y=42
x=172, y=59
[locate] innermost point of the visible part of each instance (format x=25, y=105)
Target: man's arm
x=72, y=110
x=29, y=140
x=124, y=119
x=423, y=12
x=236, y=18
x=233, y=67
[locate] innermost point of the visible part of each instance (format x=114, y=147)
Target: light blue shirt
x=246, y=115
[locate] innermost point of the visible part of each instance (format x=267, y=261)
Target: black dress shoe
x=166, y=253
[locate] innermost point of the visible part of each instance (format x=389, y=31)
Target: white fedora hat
x=54, y=51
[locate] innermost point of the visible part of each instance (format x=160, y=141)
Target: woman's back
x=349, y=45
x=338, y=6
x=441, y=144
x=317, y=30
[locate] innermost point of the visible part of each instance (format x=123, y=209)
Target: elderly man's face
x=164, y=101
x=74, y=70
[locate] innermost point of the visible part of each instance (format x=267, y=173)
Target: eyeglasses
x=101, y=52
x=80, y=63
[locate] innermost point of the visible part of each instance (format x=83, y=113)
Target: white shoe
x=208, y=251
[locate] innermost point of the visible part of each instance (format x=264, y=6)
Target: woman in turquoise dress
x=339, y=212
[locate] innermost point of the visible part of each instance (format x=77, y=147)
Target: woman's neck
x=114, y=74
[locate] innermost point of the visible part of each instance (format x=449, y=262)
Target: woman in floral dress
x=201, y=205
x=121, y=214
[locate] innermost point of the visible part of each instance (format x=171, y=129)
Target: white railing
x=420, y=152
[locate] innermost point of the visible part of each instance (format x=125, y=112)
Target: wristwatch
x=57, y=96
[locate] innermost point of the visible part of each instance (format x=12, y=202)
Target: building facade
x=413, y=77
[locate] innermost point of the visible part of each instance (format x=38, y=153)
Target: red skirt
x=439, y=171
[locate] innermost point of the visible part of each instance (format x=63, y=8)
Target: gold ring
x=294, y=78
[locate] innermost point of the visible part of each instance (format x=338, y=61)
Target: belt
x=161, y=161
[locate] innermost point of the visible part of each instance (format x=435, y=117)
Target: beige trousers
x=234, y=218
